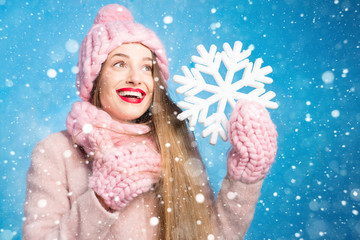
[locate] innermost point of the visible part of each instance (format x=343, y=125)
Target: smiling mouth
x=131, y=95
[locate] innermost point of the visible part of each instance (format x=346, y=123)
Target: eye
x=147, y=68
x=120, y=64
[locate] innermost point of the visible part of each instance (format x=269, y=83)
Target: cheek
x=105, y=82
x=106, y=92
x=151, y=92
x=150, y=85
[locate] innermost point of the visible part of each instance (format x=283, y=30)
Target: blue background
x=313, y=189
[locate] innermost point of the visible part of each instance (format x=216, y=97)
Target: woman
x=126, y=168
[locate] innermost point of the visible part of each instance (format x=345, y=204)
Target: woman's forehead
x=132, y=50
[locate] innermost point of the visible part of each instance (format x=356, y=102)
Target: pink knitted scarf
x=126, y=160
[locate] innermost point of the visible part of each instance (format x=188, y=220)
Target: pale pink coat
x=60, y=205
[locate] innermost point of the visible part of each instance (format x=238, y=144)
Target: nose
x=134, y=77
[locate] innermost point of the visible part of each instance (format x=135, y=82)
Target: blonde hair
x=183, y=179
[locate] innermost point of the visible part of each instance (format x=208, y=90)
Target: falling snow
x=312, y=190
x=9, y=83
x=87, y=128
x=51, y=73
x=67, y=153
x=211, y=237
x=231, y=195
x=72, y=46
x=168, y=19
x=200, y=198
x=154, y=221
x=42, y=203
x=328, y=77
x=335, y=113
x=355, y=194
x=74, y=69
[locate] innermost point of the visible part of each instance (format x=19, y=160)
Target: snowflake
x=226, y=91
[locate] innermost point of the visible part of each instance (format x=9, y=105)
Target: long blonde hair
x=183, y=183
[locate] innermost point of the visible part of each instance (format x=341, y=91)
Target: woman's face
x=126, y=82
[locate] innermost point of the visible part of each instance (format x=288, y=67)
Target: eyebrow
x=126, y=56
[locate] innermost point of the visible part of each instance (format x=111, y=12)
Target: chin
x=127, y=113
x=129, y=117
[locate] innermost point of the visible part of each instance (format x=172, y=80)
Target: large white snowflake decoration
x=226, y=91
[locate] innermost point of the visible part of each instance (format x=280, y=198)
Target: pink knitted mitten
x=253, y=138
x=123, y=173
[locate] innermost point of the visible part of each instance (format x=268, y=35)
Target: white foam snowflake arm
x=209, y=62
x=255, y=76
x=193, y=83
x=196, y=109
x=216, y=124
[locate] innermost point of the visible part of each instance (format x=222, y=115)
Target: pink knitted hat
x=113, y=25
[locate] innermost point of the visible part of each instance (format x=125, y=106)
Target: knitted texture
x=113, y=26
x=254, y=145
x=125, y=164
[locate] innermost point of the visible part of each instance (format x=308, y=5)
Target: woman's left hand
x=254, y=145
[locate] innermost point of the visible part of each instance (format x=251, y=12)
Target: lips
x=131, y=95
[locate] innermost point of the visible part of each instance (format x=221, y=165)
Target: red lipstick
x=131, y=95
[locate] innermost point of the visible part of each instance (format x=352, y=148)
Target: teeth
x=130, y=94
